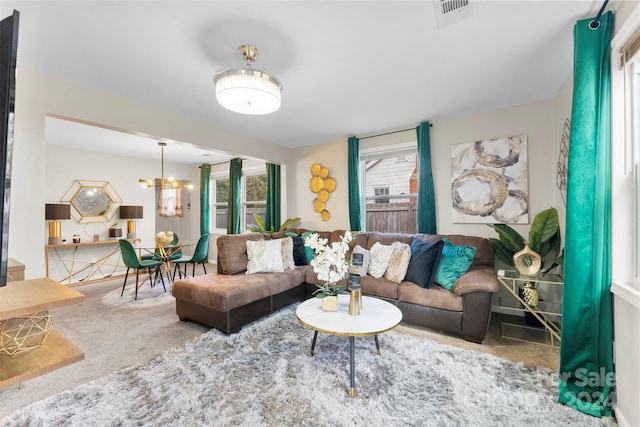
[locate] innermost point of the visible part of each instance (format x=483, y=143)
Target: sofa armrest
x=477, y=279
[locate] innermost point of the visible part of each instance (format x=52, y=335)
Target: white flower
x=329, y=263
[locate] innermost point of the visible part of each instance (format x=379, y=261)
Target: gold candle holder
x=355, y=303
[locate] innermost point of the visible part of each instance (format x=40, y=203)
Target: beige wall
x=332, y=155
x=38, y=95
x=535, y=120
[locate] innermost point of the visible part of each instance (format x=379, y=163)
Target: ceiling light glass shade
x=248, y=91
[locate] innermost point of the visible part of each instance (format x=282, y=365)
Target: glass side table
x=543, y=312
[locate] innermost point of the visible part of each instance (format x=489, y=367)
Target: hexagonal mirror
x=92, y=200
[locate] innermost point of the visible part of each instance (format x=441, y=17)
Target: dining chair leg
x=125, y=281
x=193, y=270
x=135, y=298
x=204, y=267
x=178, y=270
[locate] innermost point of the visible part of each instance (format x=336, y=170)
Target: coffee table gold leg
x=377, y=344
x=352, y=392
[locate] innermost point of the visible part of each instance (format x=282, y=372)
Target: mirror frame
x=105, y=187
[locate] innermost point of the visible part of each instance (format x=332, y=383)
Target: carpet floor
x=116, y=334
x=264, y=376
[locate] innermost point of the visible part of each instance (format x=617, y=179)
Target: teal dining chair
x=130, y=259
x=199, y=257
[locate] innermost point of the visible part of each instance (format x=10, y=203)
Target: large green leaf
x=288, y=222
x=544, y=226
x=502, y=252
x=509, y=237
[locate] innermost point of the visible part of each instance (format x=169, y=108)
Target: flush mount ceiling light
x=248, y=90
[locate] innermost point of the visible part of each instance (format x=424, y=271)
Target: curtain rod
x=221, y=163
x=596, y=21
x=390, y=133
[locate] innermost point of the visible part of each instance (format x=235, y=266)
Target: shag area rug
x=147, y=296
x=264, y=376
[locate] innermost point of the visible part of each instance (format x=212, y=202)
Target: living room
x=38, y=165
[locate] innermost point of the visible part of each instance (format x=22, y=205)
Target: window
x=381, y=191
x=254, y=200
x=390, y=188
x=253, y=195
x=220, y=198
x=625, y=156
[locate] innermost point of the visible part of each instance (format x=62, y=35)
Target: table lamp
x=54, y=212
x=131, y=213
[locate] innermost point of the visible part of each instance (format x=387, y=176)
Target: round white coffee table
x=377, y=316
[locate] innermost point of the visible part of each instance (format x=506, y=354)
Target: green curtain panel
x=426, y=209
x=353, y=160
x=586, y=349
x=235, y=200
x=272, y=215
x=205, y=208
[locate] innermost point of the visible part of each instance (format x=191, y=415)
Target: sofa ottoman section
x=228, y=302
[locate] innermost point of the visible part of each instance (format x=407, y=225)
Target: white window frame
x=243, y=194
x=625, y=165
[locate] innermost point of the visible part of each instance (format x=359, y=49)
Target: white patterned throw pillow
x=265, y=256
x=380, y=255
x=288, y=262
x=398, y=262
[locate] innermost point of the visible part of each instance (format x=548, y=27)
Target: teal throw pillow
x=454, y=262
x=309, y=251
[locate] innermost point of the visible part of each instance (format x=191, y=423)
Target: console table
x=544, y=312
x=88, y=262
x=25, y=297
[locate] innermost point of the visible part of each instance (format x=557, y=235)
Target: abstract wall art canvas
x=489, y=181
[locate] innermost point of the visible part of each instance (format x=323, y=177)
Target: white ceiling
x=347, y=67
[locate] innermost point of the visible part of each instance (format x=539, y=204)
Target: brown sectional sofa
x=229, y=299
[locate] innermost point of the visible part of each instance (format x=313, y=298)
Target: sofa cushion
x=387, y=238
x=398, y=262
x=454, y=262
x=423, y=265
x=380, y=255
x=435, y=296
x=264, y=256
x=232, y=251
x=379, y=287
x=224, y=292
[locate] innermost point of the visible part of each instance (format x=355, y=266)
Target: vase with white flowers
x=331, y=265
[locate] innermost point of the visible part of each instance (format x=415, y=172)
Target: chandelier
x=170, y=190
x=248, y=90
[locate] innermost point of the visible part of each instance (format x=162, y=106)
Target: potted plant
x=260, y=227
x=540, y=253
x=330, y=265
x=544, y=240
x=114, y=231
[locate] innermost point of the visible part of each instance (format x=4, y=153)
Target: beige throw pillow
x=380, y=255
x=398, y=262
x=265, y=256
x=288, y=262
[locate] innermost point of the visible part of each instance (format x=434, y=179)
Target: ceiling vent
x=449, y=12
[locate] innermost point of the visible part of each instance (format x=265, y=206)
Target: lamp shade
x=57, y=211
x=130, y=212
x=248, y=90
